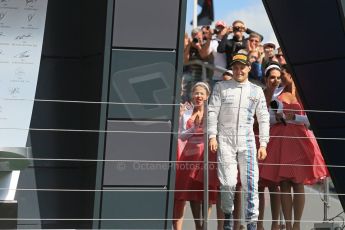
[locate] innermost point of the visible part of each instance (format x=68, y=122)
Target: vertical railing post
x=206, y=166
x=325, y=199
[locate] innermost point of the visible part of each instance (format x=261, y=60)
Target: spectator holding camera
x=195, y=48
x=237, y=42
x=219, y=59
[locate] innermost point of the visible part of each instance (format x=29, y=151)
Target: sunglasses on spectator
x=254, y=40
x=238, y=28
x=279, y=55
x=254, y=57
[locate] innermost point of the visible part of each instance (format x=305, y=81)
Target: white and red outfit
x=189, y=168
x=286, y=149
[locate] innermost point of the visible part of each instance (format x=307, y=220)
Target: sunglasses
x=253, y=40
x=238, y=28
x=279, y=55
x=254, y=57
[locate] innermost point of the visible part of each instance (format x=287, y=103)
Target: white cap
x=229, y=72
x=270, y=43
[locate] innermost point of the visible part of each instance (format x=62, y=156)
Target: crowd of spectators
x=217, y=47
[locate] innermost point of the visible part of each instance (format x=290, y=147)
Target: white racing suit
x=232, y=108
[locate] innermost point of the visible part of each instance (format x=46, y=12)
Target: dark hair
x=274, y=68
x=287, y=68
x=270, y=70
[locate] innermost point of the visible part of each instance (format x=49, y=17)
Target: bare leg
x=208, y=213
x=286, y=201
x=196, y=211
x=298, y=204
x=220, y=215
x=275, y=206
x=237, y=208
x=260, y=225
x=179, y=208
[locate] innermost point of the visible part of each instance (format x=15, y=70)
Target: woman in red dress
x=292, y=154
x=189, y=167
x=273, y=80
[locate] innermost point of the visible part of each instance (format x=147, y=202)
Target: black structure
x=312, y=35
x=117, y=51
x=71, y=69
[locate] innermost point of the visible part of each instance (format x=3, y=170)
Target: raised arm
x=185, y=133
x=249, y=31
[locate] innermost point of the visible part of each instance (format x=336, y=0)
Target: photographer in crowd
x=237, y=42
x=196, y=47
x=219, y=59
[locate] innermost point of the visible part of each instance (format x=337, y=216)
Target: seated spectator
x=237, y=42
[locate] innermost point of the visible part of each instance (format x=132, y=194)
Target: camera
x=216, y=31
x=195, y=40
x=238, y=29
x=206, y=27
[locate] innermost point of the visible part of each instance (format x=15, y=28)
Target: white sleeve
x=273, y=119
x=185, y=133
x=263, y=119
x=213, y=111
x=212, y=47
x=302, y=119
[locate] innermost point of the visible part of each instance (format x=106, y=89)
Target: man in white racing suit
x=232, y=107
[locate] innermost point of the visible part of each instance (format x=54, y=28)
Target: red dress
x=188, y=169
x=302, y=156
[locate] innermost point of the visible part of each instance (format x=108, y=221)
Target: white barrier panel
x=21, y=36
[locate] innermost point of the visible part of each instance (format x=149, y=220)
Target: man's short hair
x=195, y=31
x=255, y=35
x=237, y=21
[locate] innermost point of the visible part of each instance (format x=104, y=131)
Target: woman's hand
x=197, y=121
x=290, y=116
